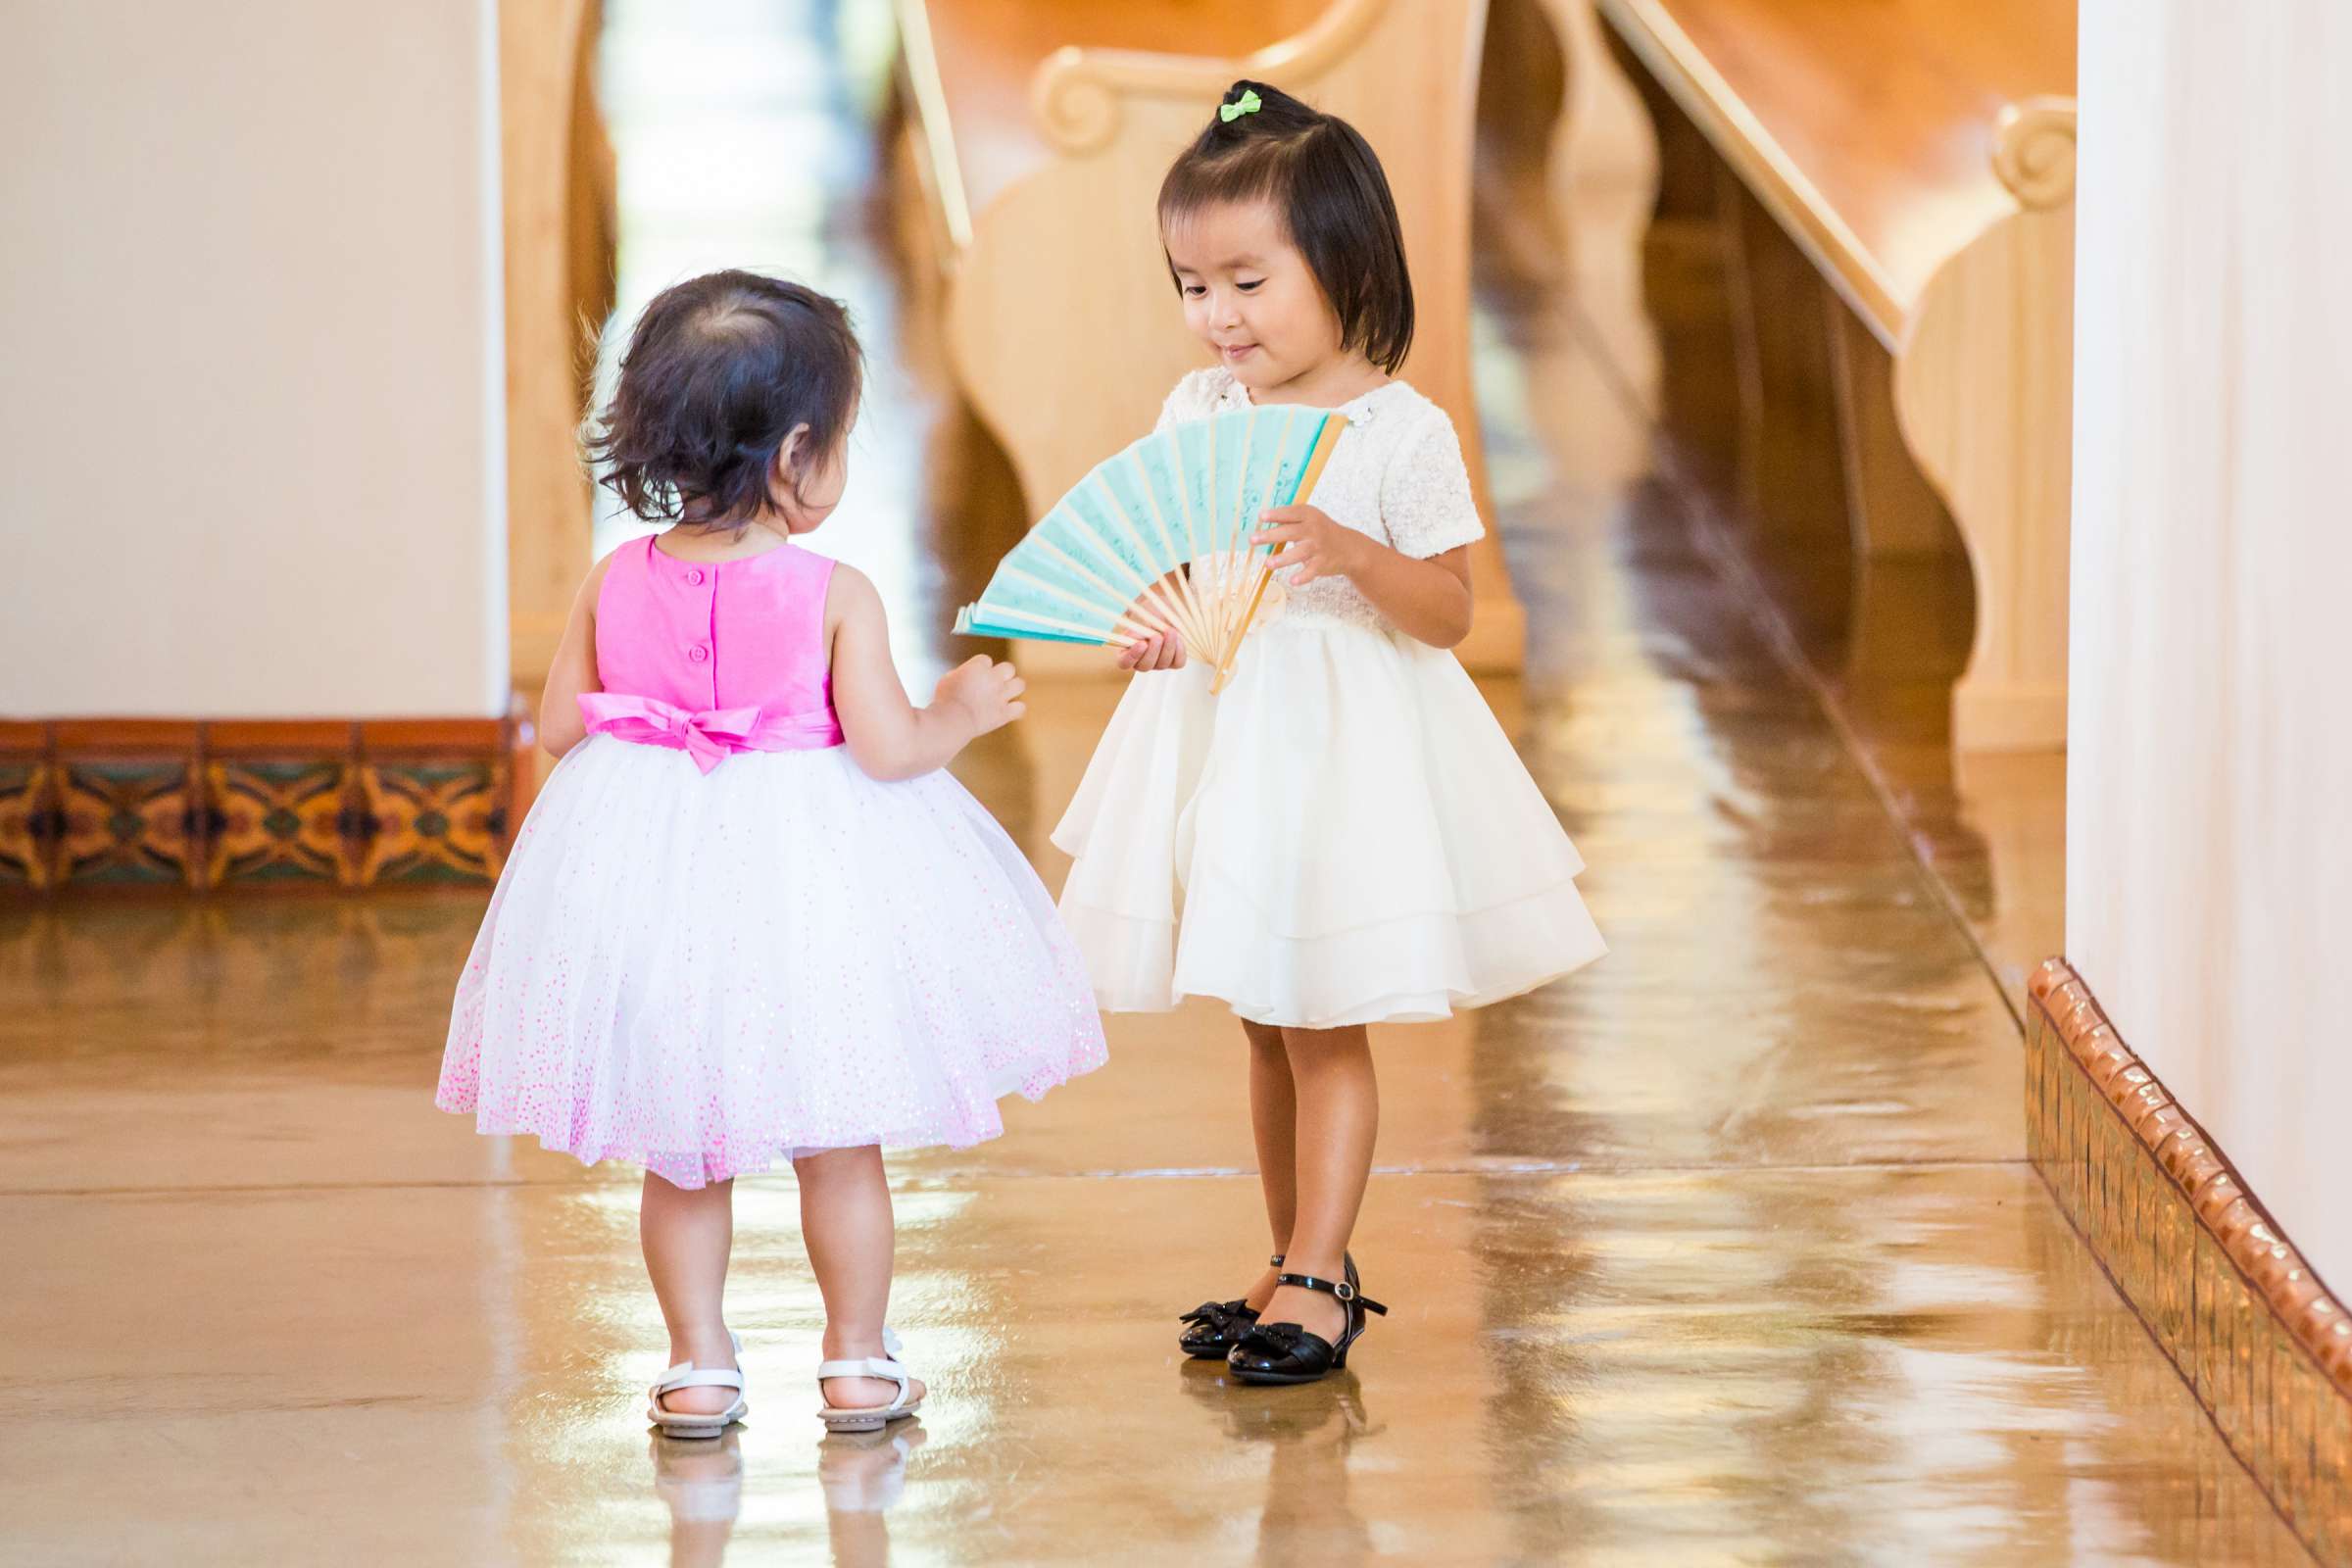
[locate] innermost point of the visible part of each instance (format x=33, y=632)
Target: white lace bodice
x=1396, y=474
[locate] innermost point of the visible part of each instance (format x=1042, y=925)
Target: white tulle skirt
x=707, y=974
x=1344, y=836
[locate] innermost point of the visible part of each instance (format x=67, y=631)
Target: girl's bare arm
x=1429, y=600
x=888, y=736
x=573, y=671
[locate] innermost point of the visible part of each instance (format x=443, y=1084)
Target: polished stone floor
x=1723, y=1252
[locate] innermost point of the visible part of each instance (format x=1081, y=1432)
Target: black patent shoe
x=1218, y=1326
x=1287, y=1352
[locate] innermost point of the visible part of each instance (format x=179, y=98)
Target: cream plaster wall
x=2209, y=825
x=251, y=377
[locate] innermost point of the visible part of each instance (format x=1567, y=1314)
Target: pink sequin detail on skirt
x=707, y=974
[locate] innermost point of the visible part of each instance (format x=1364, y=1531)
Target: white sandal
x=686, y=1375
x=872, y=1417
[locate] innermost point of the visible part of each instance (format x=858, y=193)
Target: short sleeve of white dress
x=1425, y=500
x=1194, y=397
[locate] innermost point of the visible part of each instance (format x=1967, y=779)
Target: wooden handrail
x=1076, y=93
x=1761, y=162
x=2034, y=153
x=931, y=121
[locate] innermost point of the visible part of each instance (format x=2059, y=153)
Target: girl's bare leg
x=852, y=1240
x=1337, y=1119
x=686, y=1236
x=1273, y=1119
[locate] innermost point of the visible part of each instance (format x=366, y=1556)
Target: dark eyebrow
x=1230, y=263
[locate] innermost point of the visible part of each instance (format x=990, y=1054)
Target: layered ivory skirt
x=707, y=974
x=1344, y=836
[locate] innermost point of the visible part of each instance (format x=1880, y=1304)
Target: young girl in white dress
x=749, y=919
x=1344, y=836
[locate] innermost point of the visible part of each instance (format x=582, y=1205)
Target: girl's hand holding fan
x=1310, y=543
x=1158, y=652
x=1153, y=653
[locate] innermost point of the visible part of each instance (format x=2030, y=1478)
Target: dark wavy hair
x=1324, y=179
x=720, y=370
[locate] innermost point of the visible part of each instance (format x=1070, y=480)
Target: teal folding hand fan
x=1156, y=541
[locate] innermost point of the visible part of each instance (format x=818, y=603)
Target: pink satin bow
x=710, y=737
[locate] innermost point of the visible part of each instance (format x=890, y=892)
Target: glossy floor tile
x=1891, y=1364
x=1724, y=1252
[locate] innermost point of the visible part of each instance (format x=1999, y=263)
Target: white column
x=2209, y=817
x=252, y=397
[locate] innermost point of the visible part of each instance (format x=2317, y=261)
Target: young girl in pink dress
x=748, y=918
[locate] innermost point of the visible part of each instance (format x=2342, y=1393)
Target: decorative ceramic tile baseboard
x=2259, y=1338
x=204, y=804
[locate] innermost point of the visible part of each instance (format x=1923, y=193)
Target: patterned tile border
x=203, y=806
x=2251, y=1329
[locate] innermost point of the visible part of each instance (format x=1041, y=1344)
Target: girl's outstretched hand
x=1158, y=652
x=1311, y=545
x=988, y=692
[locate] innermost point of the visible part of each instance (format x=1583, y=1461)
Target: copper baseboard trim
x=2251, y=1327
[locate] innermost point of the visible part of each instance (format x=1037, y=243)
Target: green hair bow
x=1246, y=104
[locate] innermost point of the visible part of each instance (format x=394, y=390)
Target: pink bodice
x=711, y=658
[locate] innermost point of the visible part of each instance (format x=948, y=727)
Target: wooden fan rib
x=1202, y=604
x=1241, y=532
x=1117, y=611
x=1142, y=591
x=1208, y=492
x=1128, y=600
x=1143, y=549
x=1160, y=523
x=1326, y=439
x=1282, y=445
x=1184, y=499
x=1251, y=553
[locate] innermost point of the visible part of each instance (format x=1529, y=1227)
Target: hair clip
x=1246, y=104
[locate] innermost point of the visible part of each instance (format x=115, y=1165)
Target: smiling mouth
x=1234, y=351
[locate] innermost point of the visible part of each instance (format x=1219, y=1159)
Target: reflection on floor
x=1879, y=641
x=1724, y=1252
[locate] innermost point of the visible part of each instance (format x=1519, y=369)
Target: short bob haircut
x=719, y=371
x=1322, y=177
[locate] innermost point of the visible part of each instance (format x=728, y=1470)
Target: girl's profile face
x=1249, y=295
